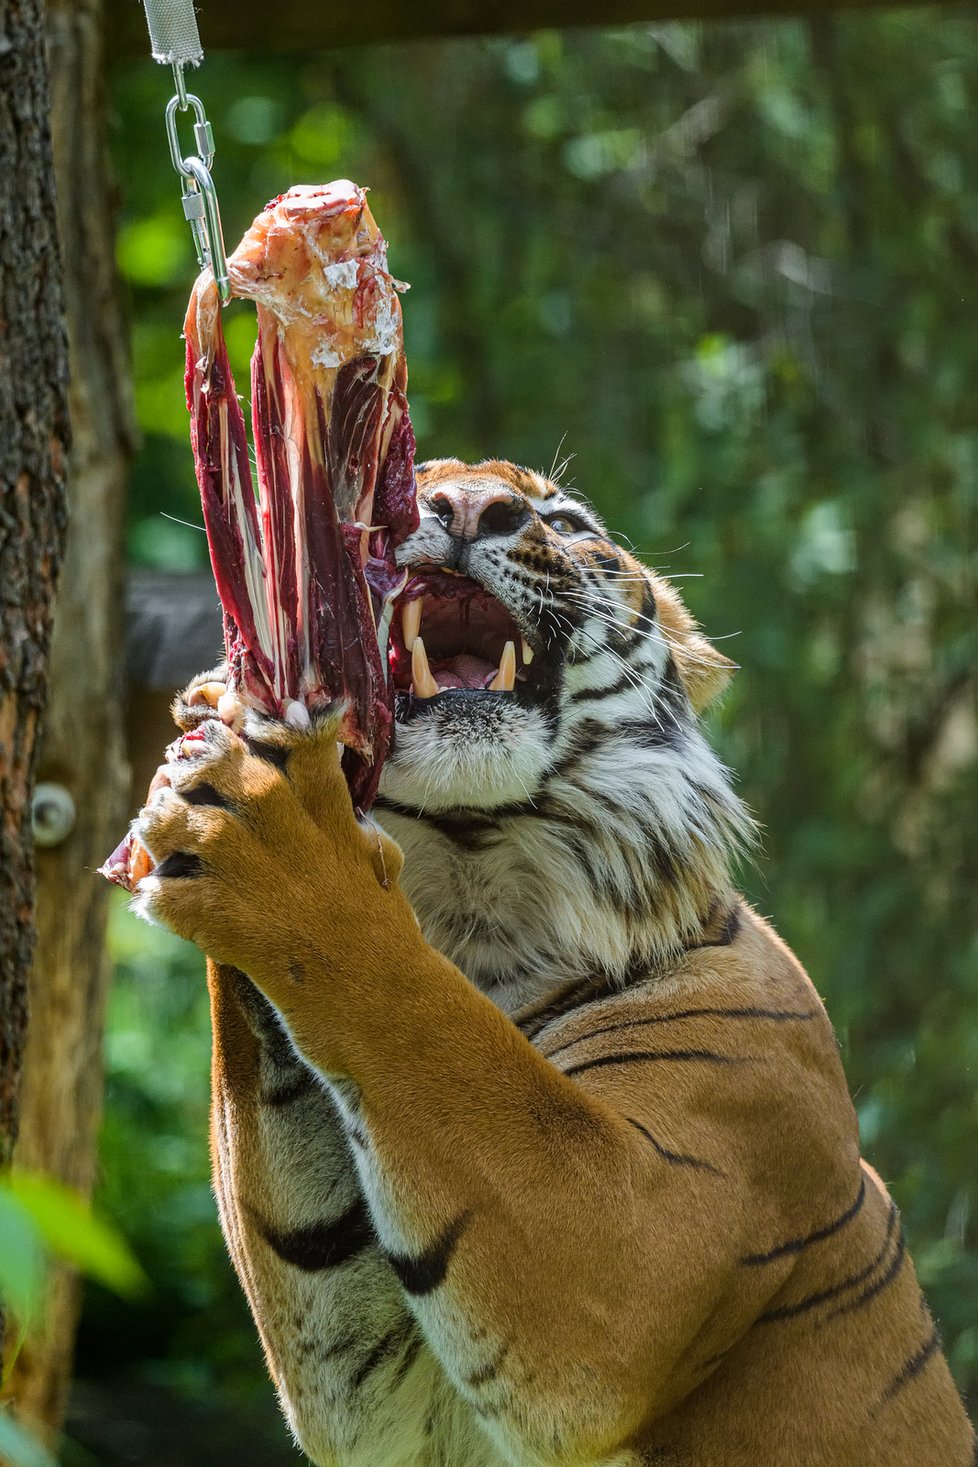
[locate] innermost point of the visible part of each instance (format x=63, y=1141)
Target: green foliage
x=18, y=1448
x=22, y=1261
x=69, y=1230
x=41, y=1218
x=727, y=269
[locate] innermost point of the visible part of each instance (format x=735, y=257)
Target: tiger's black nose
x=473, y=513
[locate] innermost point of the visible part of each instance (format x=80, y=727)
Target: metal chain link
x=174, y=40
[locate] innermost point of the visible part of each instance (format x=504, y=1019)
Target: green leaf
x=70, y=1230
x=22, y=1262
x=18, y=1448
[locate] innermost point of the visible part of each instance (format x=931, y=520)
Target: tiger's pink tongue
x=463, y=671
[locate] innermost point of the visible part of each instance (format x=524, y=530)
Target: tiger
x=531, y=1140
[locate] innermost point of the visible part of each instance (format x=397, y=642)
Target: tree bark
x=33, y=443
x=83, y=745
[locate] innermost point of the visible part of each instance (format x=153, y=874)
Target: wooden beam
x=297, y=25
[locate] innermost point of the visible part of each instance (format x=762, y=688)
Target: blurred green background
x=731, y=269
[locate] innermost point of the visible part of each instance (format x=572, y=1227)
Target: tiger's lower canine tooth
x=527, y=651
x=423, y=684
x=411, y=621
x=505, y=679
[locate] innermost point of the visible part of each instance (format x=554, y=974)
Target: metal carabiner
x=197, y=173
x=203, y=132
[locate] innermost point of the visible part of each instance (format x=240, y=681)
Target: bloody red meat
x=307, y=572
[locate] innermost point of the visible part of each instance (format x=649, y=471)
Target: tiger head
x=547, y=692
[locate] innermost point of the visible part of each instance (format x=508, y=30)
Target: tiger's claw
x=244, y=829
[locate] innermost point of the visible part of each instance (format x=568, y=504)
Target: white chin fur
x=456, y=758
x=142, y=900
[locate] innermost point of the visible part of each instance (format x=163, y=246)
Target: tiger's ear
x=704, y=671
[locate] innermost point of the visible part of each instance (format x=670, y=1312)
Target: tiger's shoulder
x=726, y=1060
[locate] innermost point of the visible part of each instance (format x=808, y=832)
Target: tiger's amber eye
x=562, y=526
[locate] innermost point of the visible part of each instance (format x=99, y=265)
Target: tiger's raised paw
x=257, y=854
x=207, y=696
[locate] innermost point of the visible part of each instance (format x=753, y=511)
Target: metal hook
x=200, y=205
x=180, y=82
x=198, y=173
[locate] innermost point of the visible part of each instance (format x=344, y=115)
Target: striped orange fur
x=531, y=1140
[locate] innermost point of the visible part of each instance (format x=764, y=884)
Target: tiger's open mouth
x=450, y=634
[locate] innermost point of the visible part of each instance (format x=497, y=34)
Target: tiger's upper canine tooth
x=423, y=684
x=411, y=621
x=505, y=679
x=527, y=651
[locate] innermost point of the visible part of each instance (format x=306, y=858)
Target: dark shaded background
x=728, y=271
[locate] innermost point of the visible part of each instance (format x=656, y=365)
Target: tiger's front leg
x=355, y=1381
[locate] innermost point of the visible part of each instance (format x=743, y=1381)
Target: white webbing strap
x=173, y=32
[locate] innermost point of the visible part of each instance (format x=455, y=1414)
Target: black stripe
x=914, y=1365
x=383, y=1349
x=778, y=1016
x=489, y=1371
x=589, y=695
x=426, y=1271
x=407, y=1360
x=342, y=1346
x=643, y=1056
x=796, y=1245
x=676, y=1158
x=277, y=754
x=179, y=866
x=648, y=610
x=590, y=736
x=877, y=1287
x=581, y=992
x=824, y=1296
x=654, y=732
x=726, y=935
x=469, y=832
x=206, y=794
x=299, y=1087
x=323, y=1245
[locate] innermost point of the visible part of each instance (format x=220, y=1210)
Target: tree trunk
x=82, y=750
x=33, y=444
x=33, y=441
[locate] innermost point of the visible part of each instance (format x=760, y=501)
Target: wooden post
x=83, y=746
